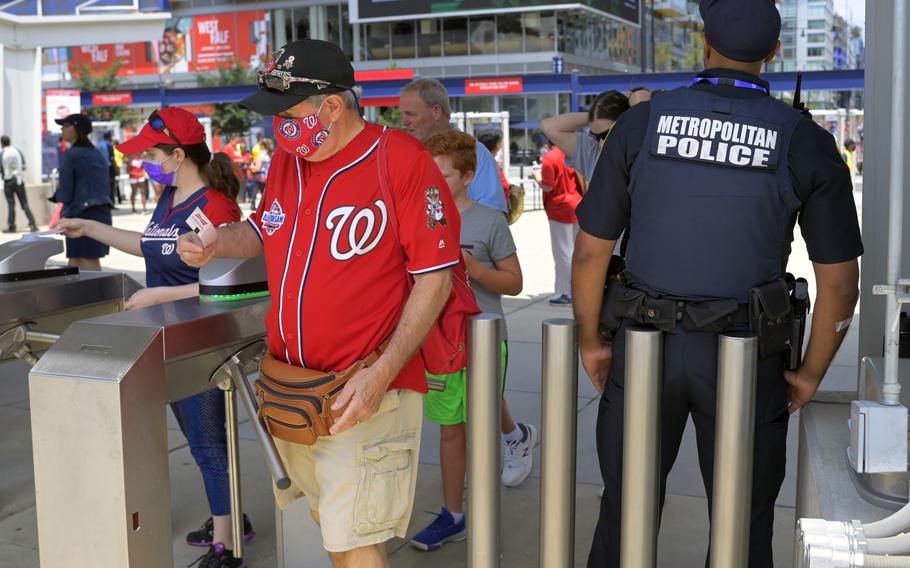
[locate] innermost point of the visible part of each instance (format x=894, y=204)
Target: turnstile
x=37, y=303
x=99, y=430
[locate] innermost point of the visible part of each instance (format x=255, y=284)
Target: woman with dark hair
x=83, y=189
x=260, y=170
x=176, y=156
x=582, y=148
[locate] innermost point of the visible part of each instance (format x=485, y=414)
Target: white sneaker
x=518, y=457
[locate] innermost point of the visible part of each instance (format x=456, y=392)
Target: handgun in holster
x=799, y=299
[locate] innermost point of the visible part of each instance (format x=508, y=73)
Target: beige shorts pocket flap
x=382, y=497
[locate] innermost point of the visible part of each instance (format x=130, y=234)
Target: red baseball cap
x=171, y=125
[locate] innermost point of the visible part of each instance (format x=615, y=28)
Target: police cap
x=741, y=30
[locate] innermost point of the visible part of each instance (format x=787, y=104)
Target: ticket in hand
x=203, y=227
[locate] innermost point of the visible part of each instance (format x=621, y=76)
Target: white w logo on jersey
x=351, y=223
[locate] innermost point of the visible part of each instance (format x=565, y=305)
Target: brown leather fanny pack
x=295, y=403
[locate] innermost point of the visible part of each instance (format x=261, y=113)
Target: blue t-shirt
x=486, y=188
x=163, y=266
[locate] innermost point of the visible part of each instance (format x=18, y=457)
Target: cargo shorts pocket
x=383, y=496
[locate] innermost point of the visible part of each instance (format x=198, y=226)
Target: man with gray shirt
x=14, y=185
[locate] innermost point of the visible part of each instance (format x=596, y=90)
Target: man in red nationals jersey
x=339, y=282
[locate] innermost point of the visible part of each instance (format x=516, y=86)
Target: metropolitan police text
x=715, y=140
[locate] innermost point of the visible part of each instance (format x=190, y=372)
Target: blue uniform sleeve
x=606, y=208
x=65, y=183
x=486, y=188
x=828, y=218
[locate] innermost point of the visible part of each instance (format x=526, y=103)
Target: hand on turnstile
x=193, y=252
x=71, y=228
x=145, y=297
x=596, y=358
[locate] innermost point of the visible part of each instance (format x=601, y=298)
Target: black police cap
x=323, y=66
x=741, y=30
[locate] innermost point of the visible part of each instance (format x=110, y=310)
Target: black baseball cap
x=741, y=30
x=81, y=122
x=299, y=70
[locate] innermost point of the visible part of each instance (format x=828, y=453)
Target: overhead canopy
x=27, y=32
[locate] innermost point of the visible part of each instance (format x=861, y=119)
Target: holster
x=771, y=316
x=609, y=323
x=295, y=403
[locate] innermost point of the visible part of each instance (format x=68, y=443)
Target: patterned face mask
x=300, y=136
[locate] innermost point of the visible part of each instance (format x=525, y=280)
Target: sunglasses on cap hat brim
x=283, y=83
x=157, y=123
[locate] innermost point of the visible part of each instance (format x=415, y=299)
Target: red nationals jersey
x=336, y=275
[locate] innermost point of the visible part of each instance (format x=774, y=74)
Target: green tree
x=231, y=118
x=100, y=80
x=391, y=117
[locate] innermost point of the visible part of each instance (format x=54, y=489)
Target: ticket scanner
x=38, y=302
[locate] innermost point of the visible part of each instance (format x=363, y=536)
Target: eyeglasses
x=157, y=123
x=282, y=83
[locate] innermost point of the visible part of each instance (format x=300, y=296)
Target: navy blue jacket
x=84, y=181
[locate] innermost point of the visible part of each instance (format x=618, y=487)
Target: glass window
x=510, y=36
x=377, y=40
x=817, y=11
x=429, y=38
x=816, y=38
x=403, y=40
x=483, y=34
x=815, y=51
x=301, y=23
x=540, y=31
x=816, y=24
x=478, y=104
x=455, y=36
x=282, y=30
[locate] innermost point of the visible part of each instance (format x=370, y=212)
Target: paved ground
x=683, y=538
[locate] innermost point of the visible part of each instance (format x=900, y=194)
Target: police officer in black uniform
x=711, y=178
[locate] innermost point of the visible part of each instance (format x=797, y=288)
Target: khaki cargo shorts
x=362, y=481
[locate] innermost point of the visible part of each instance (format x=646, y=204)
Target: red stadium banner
x=493, y=86
x=384, y=75
x=136, y=58
x=112, y=98
x=221, y=40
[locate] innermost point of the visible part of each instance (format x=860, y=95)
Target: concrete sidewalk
x=683, y=538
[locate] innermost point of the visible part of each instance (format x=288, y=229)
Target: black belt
x=665, y=314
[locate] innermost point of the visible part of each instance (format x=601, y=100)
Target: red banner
x=221, y=40
x=136, y=58
x=384, y=75
x=112, y=98
x=493, y=86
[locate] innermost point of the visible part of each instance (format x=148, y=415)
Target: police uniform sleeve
x=428, y=222
x=827, y=218
x=605, y=209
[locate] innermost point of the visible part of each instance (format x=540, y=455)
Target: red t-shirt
x=336, y=275
x=561, y=201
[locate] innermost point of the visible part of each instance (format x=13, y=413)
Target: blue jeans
x=201, y=419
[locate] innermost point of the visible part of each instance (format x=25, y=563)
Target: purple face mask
x=155, y=173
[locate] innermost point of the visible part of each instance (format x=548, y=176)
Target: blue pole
x=574, y=89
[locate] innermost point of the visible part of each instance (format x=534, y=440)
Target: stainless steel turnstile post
x=641, y=448
x=233, y=453
x=737, y=371
x=559, y=426
x=484, y=446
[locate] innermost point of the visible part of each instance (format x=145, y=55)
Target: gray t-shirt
x=585, y=157
x=486, y=235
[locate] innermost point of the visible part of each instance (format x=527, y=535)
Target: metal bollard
x=737, y=371
x=233, y=451
x=559, y=427
x=641, y=448
x=484, y=451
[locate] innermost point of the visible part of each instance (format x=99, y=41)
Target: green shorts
x=449, y=407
